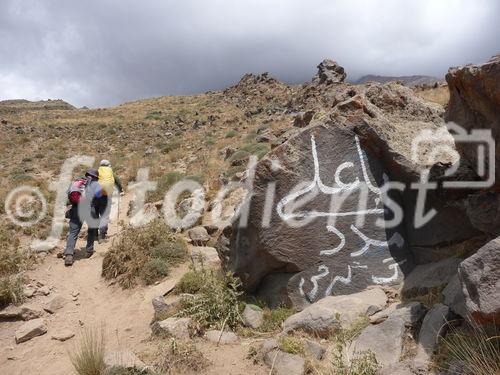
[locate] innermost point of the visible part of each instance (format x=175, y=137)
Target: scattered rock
x=44, y=290
x=225, y=337
x=24, y=312
x=63, y=335
x=303, y=119
x=29, y=291
x=162, y=308
x=430, y=331
x=198, y=235
x=313, y=349
x=329, y=72
x=410, y=313
x=180, y=328
x=385, y=340
x=253, y=316
x=331, y=313
x=29, y=330
x=453, y=297
x=284, y=363
x=124, y=358
x=426, y=277
x=55, y=304
x=480, y=279
x=204, y=257
x=401, y=368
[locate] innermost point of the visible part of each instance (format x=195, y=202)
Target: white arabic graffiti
x=341, y=187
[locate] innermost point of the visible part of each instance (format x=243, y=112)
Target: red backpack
x=76, y=190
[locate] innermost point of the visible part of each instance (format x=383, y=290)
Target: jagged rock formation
x=329, y=72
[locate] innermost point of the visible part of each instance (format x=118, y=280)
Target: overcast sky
x=104, y=52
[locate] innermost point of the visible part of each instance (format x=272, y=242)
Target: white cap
x=105, y=163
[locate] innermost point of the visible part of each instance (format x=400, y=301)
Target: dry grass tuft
x=470, y=350
x=88, y=358
x=180, y=358
x=145, y=254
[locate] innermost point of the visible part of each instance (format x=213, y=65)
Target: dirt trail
x=126, y=315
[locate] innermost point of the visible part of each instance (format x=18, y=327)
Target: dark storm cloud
x=100, y=53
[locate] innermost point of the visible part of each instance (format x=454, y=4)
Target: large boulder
x=475, y=104
x=480, y=279
x=322, y=225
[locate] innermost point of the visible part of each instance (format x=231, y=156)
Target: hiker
x=82, y=194
x=108, y=180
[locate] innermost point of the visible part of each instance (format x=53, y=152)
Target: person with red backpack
x=82, y=194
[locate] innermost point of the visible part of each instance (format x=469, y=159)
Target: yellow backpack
x=107, y=179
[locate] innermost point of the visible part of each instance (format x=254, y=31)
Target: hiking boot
x=68, y=260
x=88, y=254
x=101, y=238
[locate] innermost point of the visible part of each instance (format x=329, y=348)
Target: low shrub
x=191, y=282
x=274, y=318
x=145, y=253
x=292, y=345
x=11, y=290
x=216, y=303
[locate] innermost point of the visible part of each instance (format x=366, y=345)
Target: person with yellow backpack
x=108, y=180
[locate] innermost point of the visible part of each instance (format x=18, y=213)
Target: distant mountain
x=415, y=80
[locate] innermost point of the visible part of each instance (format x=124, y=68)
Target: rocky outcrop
x=480, y=279
x=475, y=104
x=329, y=71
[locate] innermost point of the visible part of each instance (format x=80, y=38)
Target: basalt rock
x=325, y=247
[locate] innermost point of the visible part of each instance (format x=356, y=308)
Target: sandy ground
x=125, y=314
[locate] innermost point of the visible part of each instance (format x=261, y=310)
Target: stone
x=410, y=313
x=303, y=119
x=198, y=235
x=55, y=304
x=480, y=280
x=321, y=259
x=29, y=291
x=329, y=72
x=124, y=358
x=283, y=363
x=266, y=347
x=432, y=327
x=163, y=309
x=384, y=340
x=43, y=290
x=483, y=210
x=30, y=329
x=252, y=316
x=63, y=335
x=24, y=312
x=204, y=257
x=426, y=277
x=313, y=349
x=475, y=104
x=332, y=313
x=401, y=368
x=454, y=298
x=179, y=328
x=225, y=337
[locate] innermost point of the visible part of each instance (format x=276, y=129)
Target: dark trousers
x=75, y=226
x=103, y=210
